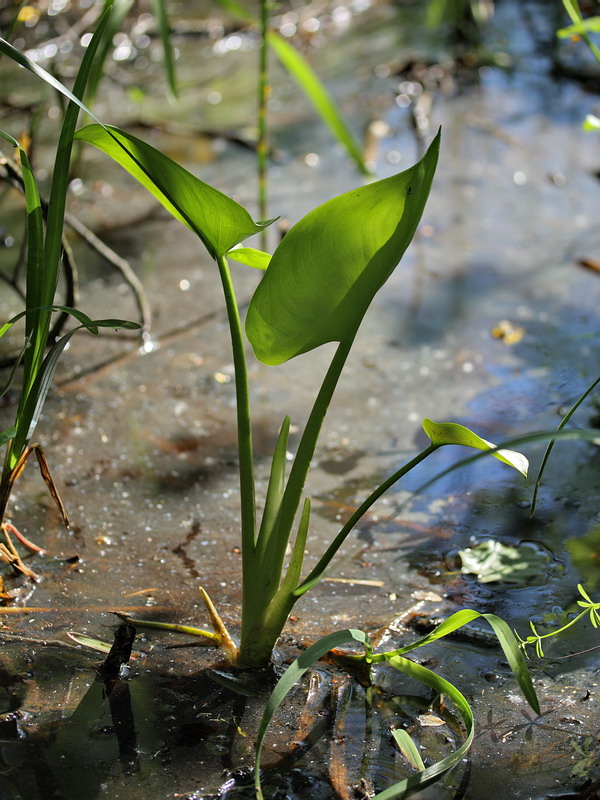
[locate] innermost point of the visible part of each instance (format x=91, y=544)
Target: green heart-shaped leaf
x=324, y=274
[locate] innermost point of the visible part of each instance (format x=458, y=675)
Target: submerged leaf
x=94, y=644
x=328, y=268
x=217, y=219
x=408, y=748
x=522, y=565
x=442, y=433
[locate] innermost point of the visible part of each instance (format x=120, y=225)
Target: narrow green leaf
x=36, y=398
x=35, y=257
x=34, y=402
x=218, y=220
x=292, y=576
x=20, y=58
x=293, y=674
x=43, y=269
x=95, y=644
x=250, y=257
x=330, y=265
x=89, y=641
x=589, y=25
x=160, y=12
x=408, y=748
x=573, y=10
x=10, y=139
x=563, y=422
x=506, y=639
x=35, y=250
x=120, y=9
x=442, y=433
x=274, y=494
x=316, y=92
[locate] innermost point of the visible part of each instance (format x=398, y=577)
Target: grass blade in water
x=301, y=71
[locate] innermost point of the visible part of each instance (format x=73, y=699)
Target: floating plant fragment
x=521, y=565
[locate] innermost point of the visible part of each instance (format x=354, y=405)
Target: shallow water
x=144, y=445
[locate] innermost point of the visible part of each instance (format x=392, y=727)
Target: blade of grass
x=506, y=639
x=563, y=422
x=274, y=495
x=159, y=8
x=120, y=9
x=36, y=398
x=316, y=92
x=292, y=574
x=44, y=252
x=408, y=748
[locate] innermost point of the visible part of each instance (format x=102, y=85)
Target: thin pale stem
x=295, y=485
x=324, y=561
x=262, y=145
x=246, y=465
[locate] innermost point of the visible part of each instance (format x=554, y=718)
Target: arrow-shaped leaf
x=328, y=268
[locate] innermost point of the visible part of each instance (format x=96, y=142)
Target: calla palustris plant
x=316, y=288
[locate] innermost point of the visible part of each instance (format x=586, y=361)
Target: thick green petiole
x=246, y=464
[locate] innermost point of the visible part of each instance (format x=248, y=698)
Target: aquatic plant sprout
x=590, y=609
x=360, y=236
x=299, y=305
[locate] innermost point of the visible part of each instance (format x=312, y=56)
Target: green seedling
x=590, y=609
x=316, y=289
x=44, y=251
x=297, y=307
